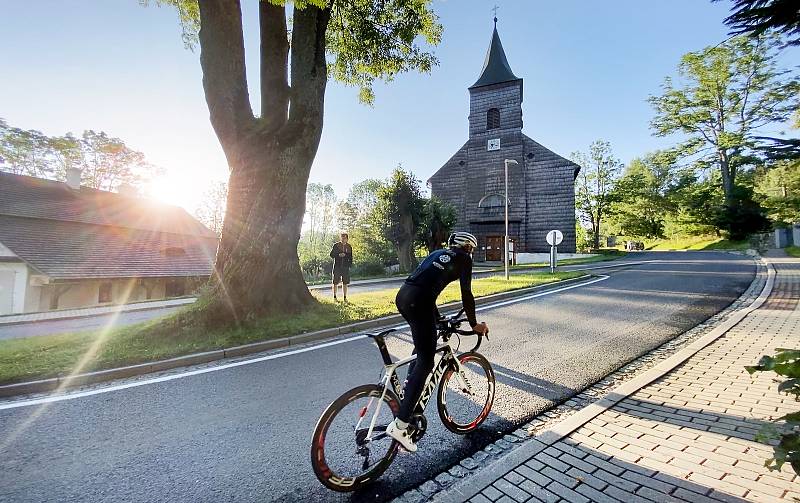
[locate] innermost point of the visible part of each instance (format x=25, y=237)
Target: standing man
x=342, y=255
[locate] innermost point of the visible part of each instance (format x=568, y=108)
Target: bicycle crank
x=419, y=424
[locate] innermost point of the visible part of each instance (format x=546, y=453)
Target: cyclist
x=416, y=301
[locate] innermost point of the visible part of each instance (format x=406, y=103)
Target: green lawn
x=48, y=356
x=699, y=243
x=793, y=251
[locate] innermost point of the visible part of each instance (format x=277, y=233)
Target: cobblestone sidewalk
x=687, y=436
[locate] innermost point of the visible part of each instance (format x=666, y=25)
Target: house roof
x=70, y=234
x=26, y=196
x=495, y=67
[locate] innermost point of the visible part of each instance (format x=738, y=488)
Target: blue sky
x=588, y=67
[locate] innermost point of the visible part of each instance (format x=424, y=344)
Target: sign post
x=554, y=239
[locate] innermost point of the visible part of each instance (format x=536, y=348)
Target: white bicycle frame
x=390, y=377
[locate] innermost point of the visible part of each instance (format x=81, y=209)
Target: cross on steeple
x=495, y=14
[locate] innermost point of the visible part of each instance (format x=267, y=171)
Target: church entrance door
x=495, y=251
x=494, y=248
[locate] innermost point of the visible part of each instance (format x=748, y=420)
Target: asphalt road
x=52, y=327
x=242, y=433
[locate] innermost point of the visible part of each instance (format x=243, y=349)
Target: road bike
x=350, y=447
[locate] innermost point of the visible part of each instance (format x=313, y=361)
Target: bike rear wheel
x=463, y=411
x=342, y=457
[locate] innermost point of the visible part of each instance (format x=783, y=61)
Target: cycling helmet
x=461, y=239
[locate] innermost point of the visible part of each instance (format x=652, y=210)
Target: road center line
x=108, y=389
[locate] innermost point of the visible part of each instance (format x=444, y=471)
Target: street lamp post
x=506, y=163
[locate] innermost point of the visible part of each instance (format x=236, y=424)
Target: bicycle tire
x=447, y=418
x=320, y=463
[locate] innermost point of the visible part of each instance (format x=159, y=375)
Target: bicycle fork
x=466, y=387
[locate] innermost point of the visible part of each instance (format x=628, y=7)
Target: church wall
x=551, y=198
x=448, y=183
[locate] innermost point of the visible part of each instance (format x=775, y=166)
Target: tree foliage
x=778, y=190
x=728, y=93
x=106, y=162
x=371, y=250
x=366, y=40
x=25, y=152
x=594, y=186
x=436, y=223
x=211, y=211
x=320, y=232
x=756, y=17
x=786, y=429
x=400, y=211
x=640, y=197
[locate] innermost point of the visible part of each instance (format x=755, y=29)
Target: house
x=65, y=246
x=541, y=187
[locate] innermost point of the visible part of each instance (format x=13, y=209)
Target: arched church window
x=493, y=118
x=492, y=201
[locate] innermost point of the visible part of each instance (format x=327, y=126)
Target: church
x=541, y=187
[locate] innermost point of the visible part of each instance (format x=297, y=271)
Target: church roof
x=495, y=68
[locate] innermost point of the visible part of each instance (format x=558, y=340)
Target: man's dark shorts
x=341, y=276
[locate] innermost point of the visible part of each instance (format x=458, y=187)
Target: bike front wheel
x=349, y=449
x=465, y=399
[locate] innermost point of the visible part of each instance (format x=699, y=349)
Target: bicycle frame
x=448, y=361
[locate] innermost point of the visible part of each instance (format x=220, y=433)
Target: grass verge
x=700, y=243
x=41, y=357
x=793, y=251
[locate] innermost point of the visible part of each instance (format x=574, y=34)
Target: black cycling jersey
x=441, y=268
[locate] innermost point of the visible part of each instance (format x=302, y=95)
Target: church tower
x=495, y=99
x=540, y=188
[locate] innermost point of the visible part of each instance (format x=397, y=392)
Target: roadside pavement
x=688, y=435
x=62, y=314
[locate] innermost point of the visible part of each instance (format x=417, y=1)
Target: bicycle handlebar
x=452, y=324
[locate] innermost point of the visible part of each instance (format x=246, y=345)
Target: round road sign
x=554, y=237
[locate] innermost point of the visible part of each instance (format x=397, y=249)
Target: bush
x=743, y=217
x=786, y=363
x=369, y=266
x=315, y=267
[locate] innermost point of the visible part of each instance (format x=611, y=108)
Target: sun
x=172, y=188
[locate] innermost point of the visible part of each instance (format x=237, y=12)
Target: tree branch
x=224, y=76
x=274, y=65
x=309, y=68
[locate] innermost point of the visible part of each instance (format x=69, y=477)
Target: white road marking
x=108, y=389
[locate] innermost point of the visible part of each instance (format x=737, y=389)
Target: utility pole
x=506, y=163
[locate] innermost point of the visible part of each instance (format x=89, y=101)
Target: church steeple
x=495, y=68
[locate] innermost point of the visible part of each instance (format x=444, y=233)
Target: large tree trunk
x=405, y=243
x=257, y=271
x=405, y=255
x=728, y=178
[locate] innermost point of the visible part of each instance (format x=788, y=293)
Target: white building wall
x=86, y=293
x=18, y=293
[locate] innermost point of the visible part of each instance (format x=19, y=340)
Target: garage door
x=6, y=292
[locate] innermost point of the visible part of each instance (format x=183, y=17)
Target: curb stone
x=65, y=382
x=546, y=428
